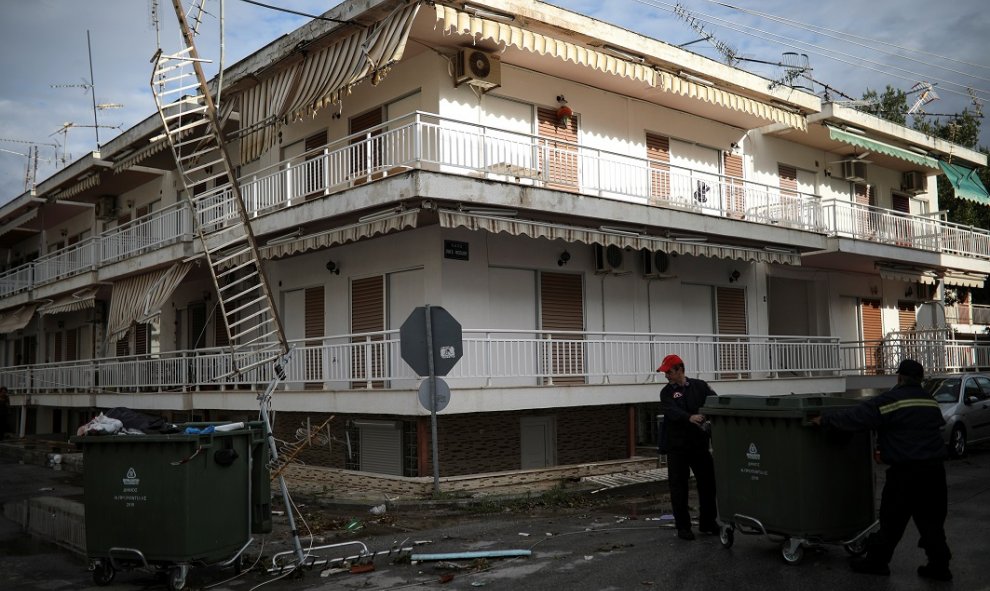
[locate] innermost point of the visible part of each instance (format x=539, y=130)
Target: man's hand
x=697, y=419
x=815, y=420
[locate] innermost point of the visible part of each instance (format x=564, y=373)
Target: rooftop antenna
x=64, y=130
x=31, y=171
x=926, y=94
x=90, y=85
x=731, y=55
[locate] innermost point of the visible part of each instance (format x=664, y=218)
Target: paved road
x=619, y=546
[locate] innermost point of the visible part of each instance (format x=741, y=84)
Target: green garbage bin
x=171, y=501
x=779, y=477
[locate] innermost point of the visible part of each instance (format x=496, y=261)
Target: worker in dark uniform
x=908, y=424
x=687, y=434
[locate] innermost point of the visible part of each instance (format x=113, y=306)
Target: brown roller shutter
x=736, y=193
x=864, y=221
x=314, y=323
x=366, y=156
x=220, y=337
x=872, y=334
x=788, y=179
x=733, y=355
x=902, y=226
x=658, y=153
x=72, y=344
x=56, y=347
x=141, y=339
x=558, y=149
x=368, y=315
x=906, y=317
x=562, y=308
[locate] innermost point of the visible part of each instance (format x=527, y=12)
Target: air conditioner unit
x=655, y=264
x=106, y=207
x=608, y=259
x=478, y=68
x=854, y=170
x=914, y=181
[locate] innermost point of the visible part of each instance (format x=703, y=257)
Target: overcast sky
x=851, y=45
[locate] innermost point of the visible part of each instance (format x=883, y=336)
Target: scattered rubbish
x=450, y=566
x=47, y=489
x=466, y=555
x=278, y=512
x=362, y=568
x=197, y=431
x=667, y=517
x=524, y=534
x=353, y=525
x=332, y=571
x=378, y=509
x=229, y=427
x=588, y=557
x=446, y=578
x=548, y=534
x=421, y=542
x=479, y=583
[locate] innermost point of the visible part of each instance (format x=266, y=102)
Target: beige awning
x=321, y=77
x=961, y=279
x=908, y=275
x=17, y=318
x=140, y=298
x=550, y=231
x=24, y=218
x=87, y=183
x=453, y=21
x=80, y=300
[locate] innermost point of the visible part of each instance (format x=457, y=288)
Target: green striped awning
x=966, y=182
x=879, y=147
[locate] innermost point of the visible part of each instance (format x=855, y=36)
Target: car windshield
x=943, y=389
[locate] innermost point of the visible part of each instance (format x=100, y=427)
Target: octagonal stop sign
x=446, y=336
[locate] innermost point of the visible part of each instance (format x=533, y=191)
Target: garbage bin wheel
x=793, y=552
x=103, y=573
x=856, y=547
x=177, y=577
x=727, y=535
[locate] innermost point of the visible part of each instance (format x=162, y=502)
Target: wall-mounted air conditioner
x=914, y=181
x=854, y=170
x=477, y=68
x=655, y=264
x=106, y=207
x=608, y=259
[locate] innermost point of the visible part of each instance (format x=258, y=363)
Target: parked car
x=965, y=402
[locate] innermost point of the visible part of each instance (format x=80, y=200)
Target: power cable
x=287, y=10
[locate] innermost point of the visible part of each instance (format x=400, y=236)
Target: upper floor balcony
x=421, y=141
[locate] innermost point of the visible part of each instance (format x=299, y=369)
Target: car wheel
x=957, y=442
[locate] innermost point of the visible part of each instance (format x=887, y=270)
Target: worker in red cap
x=687, y=435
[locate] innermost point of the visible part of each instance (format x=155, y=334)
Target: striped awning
x=551, y=231
x=80, y=300
x=140, y=298
x=908, y=275
x=961, y=279
x=453, y=21
x=17, y=318
x=72, y=190
x=322, y=77
x=22, y=219
x=880, y=147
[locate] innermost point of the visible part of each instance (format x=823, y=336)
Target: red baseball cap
x=668, y=362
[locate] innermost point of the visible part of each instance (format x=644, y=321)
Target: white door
x=698, y=318
x=294, y=324
x=513, y=306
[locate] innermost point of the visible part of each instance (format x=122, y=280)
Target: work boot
x=685, y=534
x=865, y=566
x=935, y=572
x=709, y=528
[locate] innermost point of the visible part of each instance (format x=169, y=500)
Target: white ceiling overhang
x=551, y=231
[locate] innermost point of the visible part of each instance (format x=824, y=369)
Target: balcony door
x=562, y=309
x=368, y=316
x=871, y=323
x=366, y=152
x=558, y=149
x=658, y=153
x=694, y=175
x=735, y=191
x=730, y=319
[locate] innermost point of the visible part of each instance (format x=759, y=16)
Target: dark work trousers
x=914, y=490
x=680, y=464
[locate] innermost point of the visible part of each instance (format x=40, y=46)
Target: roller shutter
x=562, y=309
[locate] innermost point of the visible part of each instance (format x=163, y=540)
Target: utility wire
x=824, y=52
x=313, y=16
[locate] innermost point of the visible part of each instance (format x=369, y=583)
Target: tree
x=891, y=105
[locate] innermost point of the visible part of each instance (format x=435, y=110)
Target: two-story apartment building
x=582, y=199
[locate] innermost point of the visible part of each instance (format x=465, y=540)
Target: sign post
x=431, y=343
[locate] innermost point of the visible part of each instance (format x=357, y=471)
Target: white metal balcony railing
x=491, y=359
x=425, y=141
x=150, y=232
x=971, y=314
x=510, y=358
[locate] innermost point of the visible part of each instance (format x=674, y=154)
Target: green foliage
x=891, y=105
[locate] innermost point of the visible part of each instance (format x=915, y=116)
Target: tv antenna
x=31, y=171
x=90, y=85
x=64, y=130
x=926, y=94
x=730, y=55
